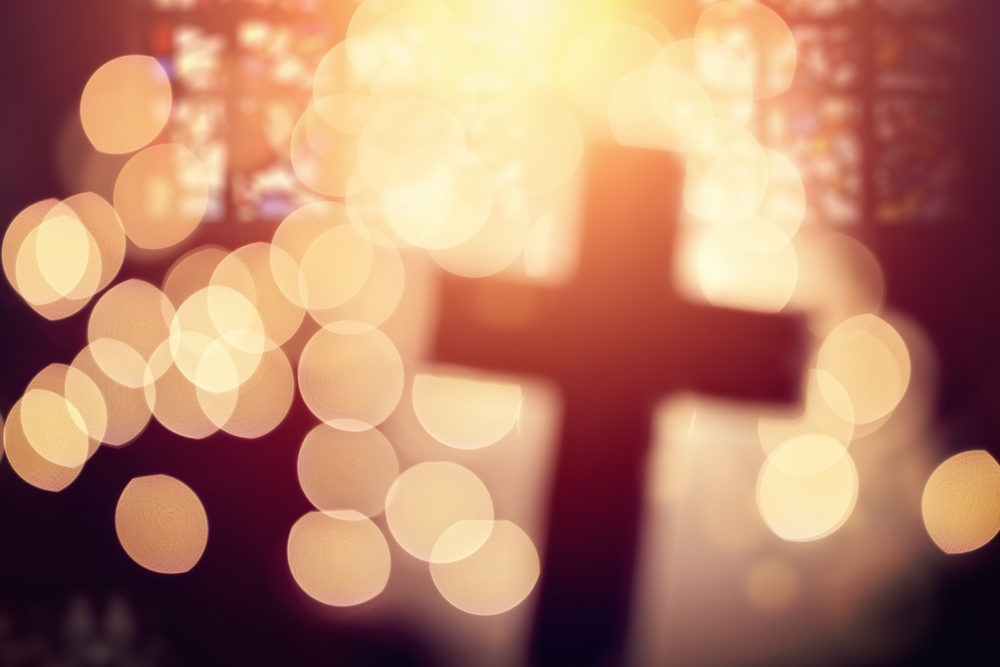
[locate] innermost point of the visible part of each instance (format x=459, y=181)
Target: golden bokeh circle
x=351, y=381
x=428, y=499
x=161, y=524
x=338, y=562
x=161, y=195
x=346, y=473
x=961, y=502
x=125, y=104
x=496, y=577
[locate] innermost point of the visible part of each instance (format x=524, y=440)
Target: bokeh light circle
x=465, y=413
x=961, y=502
x=351, y=381
x=338, y=562
x=125, y=104
x=428, y=499
x=495, y=578
x=347, y=473
x=807, y=488
x=161, y=524
x=161, y=195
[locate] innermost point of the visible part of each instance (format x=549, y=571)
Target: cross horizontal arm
x=495, y=325
x=735, y=354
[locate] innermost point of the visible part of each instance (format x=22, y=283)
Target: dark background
x=239, y=605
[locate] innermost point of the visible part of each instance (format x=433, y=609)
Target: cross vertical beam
x=615, y=341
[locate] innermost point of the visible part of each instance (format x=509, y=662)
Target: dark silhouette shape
x=616, y=340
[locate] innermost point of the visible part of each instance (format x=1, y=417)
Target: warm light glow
x=192, y=272
x=529, y=141
x=496, y=245
x=838, y=278
x=83, y=400
x=30, y=273
x=428, y=499
x=345, y=474
x=127, y=410
x=312, y=279
x=105, y=227
x=322, y=156
x=828, y=411
x=600, y=57
x=351, y=381
x=438, y=196
x=29, y=465
x=125, y=104
x=161, y=195
x=727, y=275
x=869, y=358
x=780, y=214
x=338, y=562
x=52, y=258
x=18, y=251
x=66, y=257
x=54, y=428
x=247, y=270
x=759, y=35
x=961, y=502
x=720, y=71
x=263, y=400
x=179, y=406
x=217, y=339
x=634, y=120
x=495, y=578
x=398, y=128
x=161, y=524
x=771, y=585
x=727, y=172
x=465, y=413
x=807, y=488
x=127, y=325
x=377, y=299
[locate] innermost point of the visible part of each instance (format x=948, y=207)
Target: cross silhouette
x=615, y=341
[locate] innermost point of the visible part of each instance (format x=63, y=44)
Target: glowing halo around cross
x=437, y=133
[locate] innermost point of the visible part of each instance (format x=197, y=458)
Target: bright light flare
x=600, y=57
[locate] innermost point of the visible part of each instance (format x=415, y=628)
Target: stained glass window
x=242, y=74
x=868, y=119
